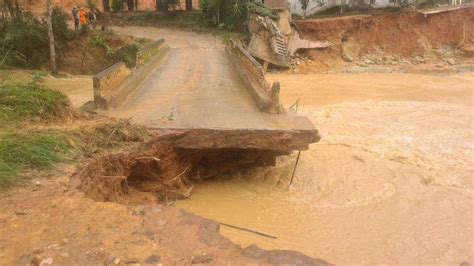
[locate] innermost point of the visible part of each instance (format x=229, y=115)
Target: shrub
x=117, y=5
x=166, y=5
x=60, y=27
x=24, y=41
x=98, y=41
x=232, y=14
x=127, y=54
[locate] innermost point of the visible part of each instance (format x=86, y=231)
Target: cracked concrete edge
x=284, y=140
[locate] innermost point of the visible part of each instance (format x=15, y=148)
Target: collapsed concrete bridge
x=211, y=112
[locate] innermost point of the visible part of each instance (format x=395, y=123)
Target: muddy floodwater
x=391, y=181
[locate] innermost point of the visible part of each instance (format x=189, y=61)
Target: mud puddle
x=390, y=181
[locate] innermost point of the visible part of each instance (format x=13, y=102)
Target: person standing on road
x=92, y=18
x=82, y=17
x=75, y=17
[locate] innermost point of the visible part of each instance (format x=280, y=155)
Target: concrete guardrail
x=252, y=74
x=107, y=81
x=112, y=85
x=148, y=51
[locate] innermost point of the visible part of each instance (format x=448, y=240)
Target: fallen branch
x=249, y=230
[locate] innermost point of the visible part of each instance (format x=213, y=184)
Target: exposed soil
x=83, y=57
x=159, y=171
x=50, y=221
x=397, y=41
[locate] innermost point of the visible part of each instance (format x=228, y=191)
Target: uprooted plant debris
x=161, y=169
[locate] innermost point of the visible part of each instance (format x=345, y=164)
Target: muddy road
x=389, y=182
x=195, y=86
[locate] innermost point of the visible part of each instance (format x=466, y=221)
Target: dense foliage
x=166, y=5
x=117, y=5
x=24, y=41
x=232, y=14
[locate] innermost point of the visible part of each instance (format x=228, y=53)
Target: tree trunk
x=130, y=5
x=189, y=5
x=106, y=5
x=10, y=9
x=52, y=50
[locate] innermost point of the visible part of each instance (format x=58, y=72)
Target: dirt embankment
x=94, y=233
x=401, y=35
x=93, y=52
x=160, y=171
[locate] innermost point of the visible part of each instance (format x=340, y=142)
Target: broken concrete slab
x=279, y=139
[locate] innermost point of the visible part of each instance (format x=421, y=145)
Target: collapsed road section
x=211, y=112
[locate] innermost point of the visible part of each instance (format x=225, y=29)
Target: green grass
x=19, y=101
x=22, y=152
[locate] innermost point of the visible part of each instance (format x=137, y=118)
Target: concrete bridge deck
x=196, y=86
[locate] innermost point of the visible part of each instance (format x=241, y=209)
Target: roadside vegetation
x=24, y=44
x=21, y=101
x=38, y=131
x=24, y=41
x=21, y=150
x=20, y=153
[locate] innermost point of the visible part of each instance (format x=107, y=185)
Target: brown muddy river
x=391, y=181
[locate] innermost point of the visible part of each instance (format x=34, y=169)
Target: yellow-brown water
x=390, y=182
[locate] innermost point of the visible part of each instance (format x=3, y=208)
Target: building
x=276, y=3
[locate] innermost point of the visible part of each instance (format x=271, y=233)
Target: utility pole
x=52, y=50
